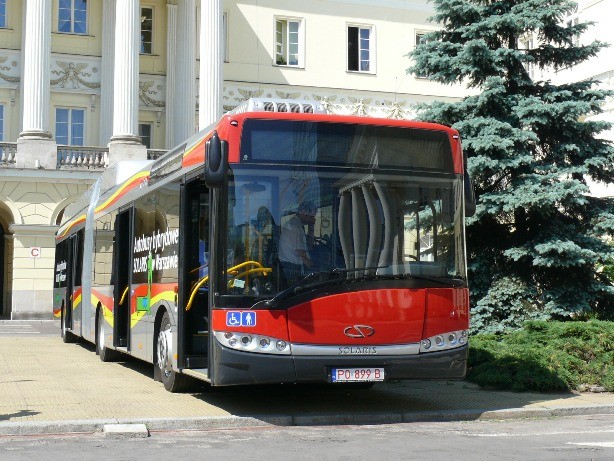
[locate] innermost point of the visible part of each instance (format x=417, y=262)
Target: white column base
x=126, y=148
x=36, y=152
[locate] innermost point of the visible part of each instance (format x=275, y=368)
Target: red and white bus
x=280, y=245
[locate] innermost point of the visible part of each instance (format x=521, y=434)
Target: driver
x=293, y=254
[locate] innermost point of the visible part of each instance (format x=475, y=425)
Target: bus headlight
x=252, y=343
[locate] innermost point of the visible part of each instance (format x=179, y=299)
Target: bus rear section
x=343, y=254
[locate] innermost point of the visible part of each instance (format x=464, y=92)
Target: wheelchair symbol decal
x=240, y=319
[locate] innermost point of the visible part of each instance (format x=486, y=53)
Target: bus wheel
x=67, y=336
x=105, y=354
x=172, y=380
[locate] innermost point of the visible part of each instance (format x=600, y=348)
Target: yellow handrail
x=198, y=268
x=243, y=264
x=264, y=270
x=200, y=283
x=123, y=297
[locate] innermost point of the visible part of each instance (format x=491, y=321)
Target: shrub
x=545, y=356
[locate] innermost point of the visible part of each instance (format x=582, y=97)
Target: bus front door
x=71, y=315
x=194, y=274
x=70, y=279
x=122, y=261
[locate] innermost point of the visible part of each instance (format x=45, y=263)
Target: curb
x=234, y=422
x=5, y=321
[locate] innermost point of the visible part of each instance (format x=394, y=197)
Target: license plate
x=356, y=375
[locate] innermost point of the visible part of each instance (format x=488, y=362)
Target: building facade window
x=526, y=43
x=3, y=23
x=69, y=126
x=1, y=122
x=361, y=49
x=146, y=30
x=572, y=21
x=289, y=42
x=72, y=16
x=145, y=130
x=421, y=40
x=225, y=36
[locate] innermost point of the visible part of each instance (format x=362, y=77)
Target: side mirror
x=469, y=196
x=216, y=161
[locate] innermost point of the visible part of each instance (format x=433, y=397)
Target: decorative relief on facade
x=8, y=69
x=285, y=95
x=394, y=109
x=248, y=94
x=326, y=101
x=360, y=106
x=150, y=93
x=76, y=74
x=371, y=105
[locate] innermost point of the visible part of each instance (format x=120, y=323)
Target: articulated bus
x=280, y=245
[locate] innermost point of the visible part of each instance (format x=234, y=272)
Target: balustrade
x=82, y=158
x=8, y=153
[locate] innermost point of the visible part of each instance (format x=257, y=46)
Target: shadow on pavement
x=19, y=414
x=426, y=398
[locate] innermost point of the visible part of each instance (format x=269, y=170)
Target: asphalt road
x=569, y=438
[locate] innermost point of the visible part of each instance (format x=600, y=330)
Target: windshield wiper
x=405, y=275
x=432, y=278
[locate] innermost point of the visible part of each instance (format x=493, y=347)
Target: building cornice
x=48, y=176
x=31, y=230
x=397, y=4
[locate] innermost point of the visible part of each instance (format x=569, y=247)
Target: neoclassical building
x=599, y=68
x=87, y=83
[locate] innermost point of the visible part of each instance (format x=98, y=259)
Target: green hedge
x=545, y=356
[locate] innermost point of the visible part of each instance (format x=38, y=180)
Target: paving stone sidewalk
x=48, y=386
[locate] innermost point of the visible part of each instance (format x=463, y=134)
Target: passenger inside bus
x=265, y=238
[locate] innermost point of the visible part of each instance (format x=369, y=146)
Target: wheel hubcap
x=100, y=333
x=164, y=350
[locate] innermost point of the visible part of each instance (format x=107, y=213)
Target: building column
x=185, y=76
x=211, y=83
x=107, y=74
x=35, y=146
x=171, y=65
x=125, y=143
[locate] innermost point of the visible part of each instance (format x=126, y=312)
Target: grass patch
x=545, y=356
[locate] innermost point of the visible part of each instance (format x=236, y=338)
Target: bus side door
x=122, y=265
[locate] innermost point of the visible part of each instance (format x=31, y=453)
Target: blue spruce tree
x=537, y=238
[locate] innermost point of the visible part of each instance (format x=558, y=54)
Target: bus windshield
x=286, y=222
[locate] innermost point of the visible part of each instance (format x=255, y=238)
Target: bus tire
x=67, y=336
x=105, y=354
x=173, y=381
